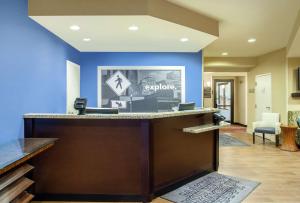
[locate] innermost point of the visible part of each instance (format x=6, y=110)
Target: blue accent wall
x=191, y=61
x=32, y=68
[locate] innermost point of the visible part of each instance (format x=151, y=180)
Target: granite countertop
x=205, y=127
x=17, y=149
x=121, y=115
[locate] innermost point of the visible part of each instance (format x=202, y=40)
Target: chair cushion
x=267, y=130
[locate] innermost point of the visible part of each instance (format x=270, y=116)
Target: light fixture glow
x=251, y=40
x=133, y=28
x=86, y=39
x=74, y=27
x=184, y=39
x=225, y=54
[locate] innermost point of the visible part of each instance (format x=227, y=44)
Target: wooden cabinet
x=15, y=171
x=13, y=185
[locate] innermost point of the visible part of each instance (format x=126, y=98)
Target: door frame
x=232, y=96
x=255, y=96
x=71, y=67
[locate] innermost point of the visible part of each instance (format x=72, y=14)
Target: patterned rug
x=213, y=188
x=229, y=141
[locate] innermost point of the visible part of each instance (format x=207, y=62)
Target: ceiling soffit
x=156, y=8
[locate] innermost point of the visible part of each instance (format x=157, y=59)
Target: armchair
x=298, y=132
x=269, y=125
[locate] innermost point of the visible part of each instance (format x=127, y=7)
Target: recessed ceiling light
x=225, y=54
x=133, y=28
x=86, y=39
x=74, y=27
x=251, y=40
x=184, y=39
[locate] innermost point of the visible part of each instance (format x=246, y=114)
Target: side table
x=289, y=138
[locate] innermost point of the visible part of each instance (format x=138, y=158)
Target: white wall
x=276, y=64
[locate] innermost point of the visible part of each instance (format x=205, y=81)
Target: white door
x=73, y=85
x=263, y=95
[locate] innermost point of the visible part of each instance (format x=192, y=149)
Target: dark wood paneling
x=216, y=150
x=146, y=157
x=178, y=155
x=97, y=159
x=91, y=157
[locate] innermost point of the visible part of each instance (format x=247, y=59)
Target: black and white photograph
x=141, y=89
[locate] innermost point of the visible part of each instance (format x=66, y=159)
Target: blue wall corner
x=32, y=68
x=191, y=61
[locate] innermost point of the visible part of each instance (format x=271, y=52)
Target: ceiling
x=294, y=50
x=111, y=34
x=269, y=21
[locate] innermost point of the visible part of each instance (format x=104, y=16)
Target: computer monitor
x=186, y=106
x=80, y=105
x=90, y=110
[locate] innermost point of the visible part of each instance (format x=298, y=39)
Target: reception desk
x=122, y=157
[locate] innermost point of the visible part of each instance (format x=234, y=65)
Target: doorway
x=263, y=95
x=73, y=85
x=224, y=98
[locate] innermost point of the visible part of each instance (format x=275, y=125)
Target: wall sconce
x=208, y=84
x=207, y=89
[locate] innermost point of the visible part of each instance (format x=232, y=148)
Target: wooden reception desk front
x=123, y=157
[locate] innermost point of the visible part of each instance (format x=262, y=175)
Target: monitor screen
x=186, y=106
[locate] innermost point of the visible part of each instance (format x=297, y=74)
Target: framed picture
x=141, y=88
x=207, y=92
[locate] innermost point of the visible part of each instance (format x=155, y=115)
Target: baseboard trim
x=119, y=198
x=240, y=124
x=88, y=197
x=174, y=186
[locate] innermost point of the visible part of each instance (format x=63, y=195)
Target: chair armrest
x=277, y=128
